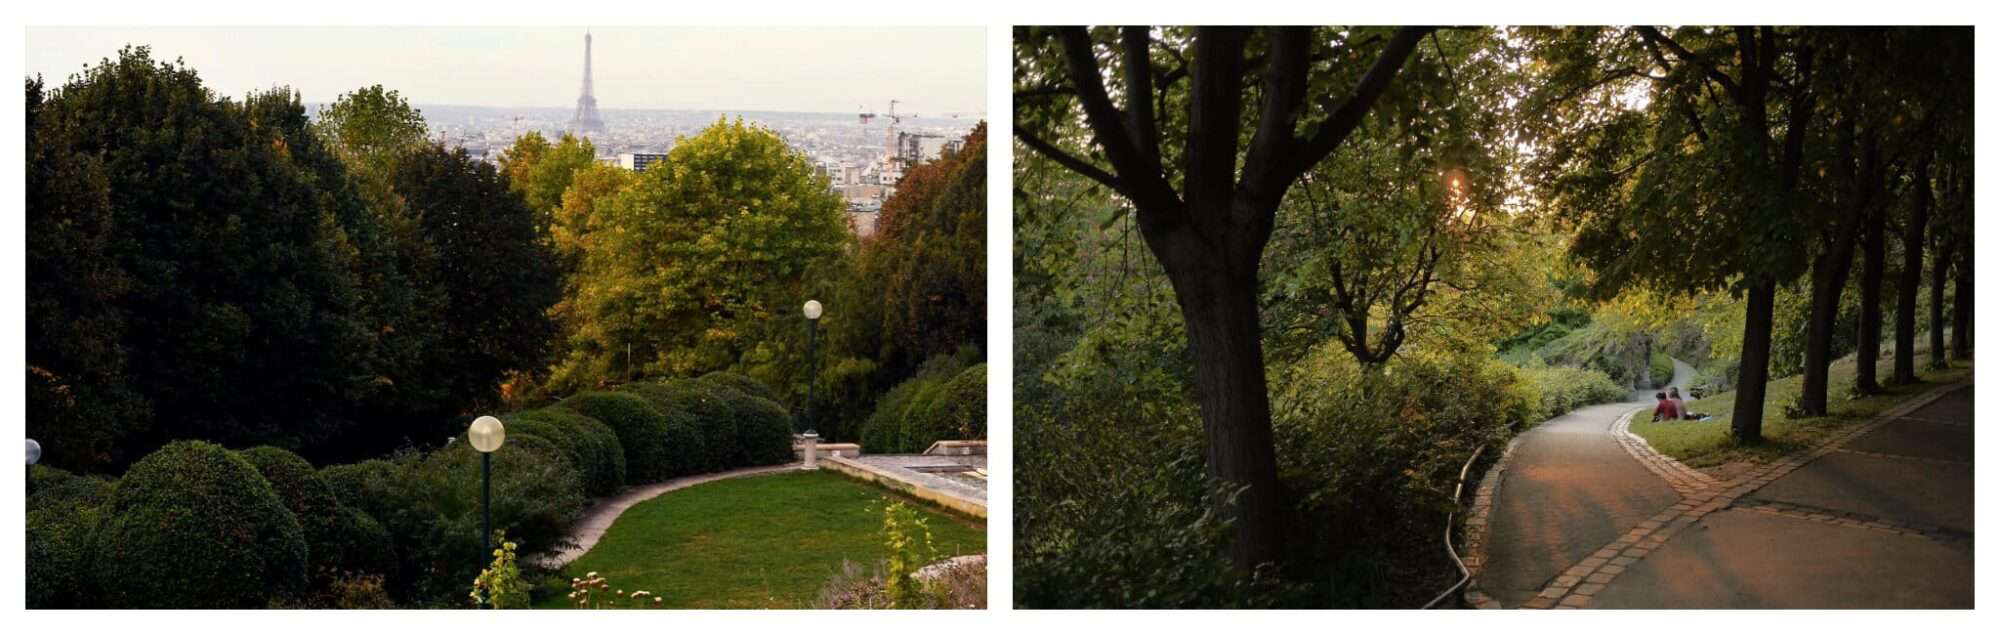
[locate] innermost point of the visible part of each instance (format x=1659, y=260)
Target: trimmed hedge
x=641, y=428
x=308, y=497
x=714, y=419
x=595, y=444
x=193, y=525
x=1564, y=388
x=943, y=404
x=743, y=384
x=62, y=511
x=687, y=448
x=763, y=430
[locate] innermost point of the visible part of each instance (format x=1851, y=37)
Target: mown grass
x=758, y=542
x=1707, y=443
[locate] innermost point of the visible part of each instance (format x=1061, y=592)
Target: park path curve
x=1570, y=486
x=598, y=517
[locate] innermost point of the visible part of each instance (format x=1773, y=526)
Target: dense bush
x=310, y=500
x=945, y=400
x=429, y=506
x=641, y=428
x=763, y=430
x=742, y=384
x=713, y=417
x=1373, y=456
x=604, y=469
x=1561, y=389
x=687, y=448
x=62, y=511
x=195, y=526
x=1116, y=512
x=1661, y=367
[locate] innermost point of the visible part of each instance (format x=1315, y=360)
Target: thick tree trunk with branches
x=1211, y=233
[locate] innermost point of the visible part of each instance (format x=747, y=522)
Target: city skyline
x=933, y=71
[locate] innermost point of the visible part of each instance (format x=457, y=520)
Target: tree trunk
x=1746, y=423
x=1220, y=307
x=1961, y=305
x=1868, y=341
x=1940, y=266
x=1829, y=279
x=1912, y=276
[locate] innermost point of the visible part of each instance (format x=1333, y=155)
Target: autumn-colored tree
x=928, y=256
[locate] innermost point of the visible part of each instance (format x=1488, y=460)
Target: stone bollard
x=811, y=442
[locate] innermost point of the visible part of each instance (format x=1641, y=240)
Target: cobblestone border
x=1475, y=529
x=1685, y=480
x=1578, y=586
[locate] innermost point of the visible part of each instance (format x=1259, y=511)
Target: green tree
x=1677, y=158
x=1205, y=201
x=239, y=305
x=694, y=263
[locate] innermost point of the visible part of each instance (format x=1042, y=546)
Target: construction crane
x=894, y=119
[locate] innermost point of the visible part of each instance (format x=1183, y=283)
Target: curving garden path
x=598, y=517
x=1579, y=513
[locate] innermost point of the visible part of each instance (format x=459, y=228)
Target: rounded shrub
x=763, y=430
x=604, y=469
x=362, y=485
x=950, y=409
x=519, y=425
x=310, y=500
x=687, y=448
x=193, y=525
x=743, y=384
x=641, y=430
x=359, y=545
x=42, y=476
x=713, y=417
x=61, y=516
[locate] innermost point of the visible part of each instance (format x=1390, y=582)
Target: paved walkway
x=1569, y=488
x=598, y=517
x=1879, y=517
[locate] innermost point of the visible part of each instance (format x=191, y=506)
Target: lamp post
x=813, y=311
x=486, y=434
x=34, y=456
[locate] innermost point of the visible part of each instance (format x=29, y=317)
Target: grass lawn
x=1707, y=443
x=757, y=542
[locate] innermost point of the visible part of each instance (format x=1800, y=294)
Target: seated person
x=1674, y=395
x=1666, y=410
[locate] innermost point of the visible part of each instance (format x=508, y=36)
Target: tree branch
x=1348, y=115
x=1067, y=160
x=1653, y=36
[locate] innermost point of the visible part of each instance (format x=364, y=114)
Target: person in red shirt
x=1667, y=410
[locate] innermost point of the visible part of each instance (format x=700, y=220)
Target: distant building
x=586, y=121
x=638, y=161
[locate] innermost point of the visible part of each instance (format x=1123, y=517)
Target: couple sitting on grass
x=1671, y=407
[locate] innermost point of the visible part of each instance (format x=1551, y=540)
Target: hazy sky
x=933, y=70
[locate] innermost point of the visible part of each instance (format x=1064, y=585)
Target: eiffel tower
x=585, y=120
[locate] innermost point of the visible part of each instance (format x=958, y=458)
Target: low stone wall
x=907, y=482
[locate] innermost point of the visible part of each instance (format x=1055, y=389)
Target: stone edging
x=1476, y=525
x=1856, y=520
x=1685, y=480
x=868, y=473
x=1577, y=586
